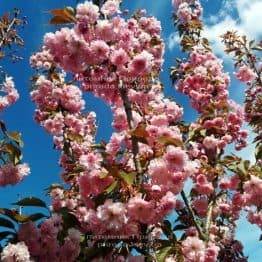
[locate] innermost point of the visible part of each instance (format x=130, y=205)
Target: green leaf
x=103, y=175
x=6, y=223
x=242, y=167
x=163, y=253
x=111, y=187
x=129, y=178
x=258, y=151
x=170, y=141
x=31, y=201
x=75, y=137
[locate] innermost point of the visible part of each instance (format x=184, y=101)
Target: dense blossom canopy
x=118, y=196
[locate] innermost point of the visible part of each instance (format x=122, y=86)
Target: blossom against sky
x=220, y=16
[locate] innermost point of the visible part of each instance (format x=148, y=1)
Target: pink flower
x=131, y=258
x=203, y=186
x=210, y=142
x=42, y=59
x=193, y=249
x=119, y=57
x=245, y=74
x=176, y=158
x=120, y=120
x=157, y=169
x=11, y=96
x=70, y=250
x=211, y=253
x=110, y=7
x=166, y=205
x=71, y=98
x=255, y=218
x=105, y=30
x=173, y=111
x=11, y=175
x=55, y=125
x=159, y=120
x=87, y=12
x=29, y=234
x=114, y=144
x=141, y=64
x=186, y=12
x=15, y=253
x=100, y=50
x=253, y=190
x=90, y=161
x=112, y=215
x=200, y=205
x=93, y=183
x=140, y=209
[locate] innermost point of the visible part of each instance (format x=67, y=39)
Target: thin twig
x=209, y=216
x=192, y=214
x=5, y=35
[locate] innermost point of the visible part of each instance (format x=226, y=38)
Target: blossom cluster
x=16, y=252
x=11, y=96
x=101, y=52
x=43, y=243
x=206, y=85
x=11, y=174
x=187, y=11
x=128, y=185
x=112, y=51
x=202, y=79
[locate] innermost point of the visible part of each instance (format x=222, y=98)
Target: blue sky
x=38, y=150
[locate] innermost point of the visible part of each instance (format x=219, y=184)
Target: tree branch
x=5, y=34
x=193, y=216
x=209, y=216
x=135, y=147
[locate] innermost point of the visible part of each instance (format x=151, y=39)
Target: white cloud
x=247, y=22
x=241, y=15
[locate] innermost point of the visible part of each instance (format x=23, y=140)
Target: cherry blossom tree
x=12, y=170
x=160, y=189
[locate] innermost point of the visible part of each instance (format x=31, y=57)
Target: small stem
x=192, y=214
x=209, y=216
x=5, y=34
x=251, y=62
x=135, y=147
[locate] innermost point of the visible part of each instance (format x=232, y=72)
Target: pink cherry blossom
x=193, y=249
x=110, y=7
x=141, y=64
x=140, y=209
x=87, y=12
x=245, y=74
x=11, y=174
x=15, y=253
x=11, y=96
